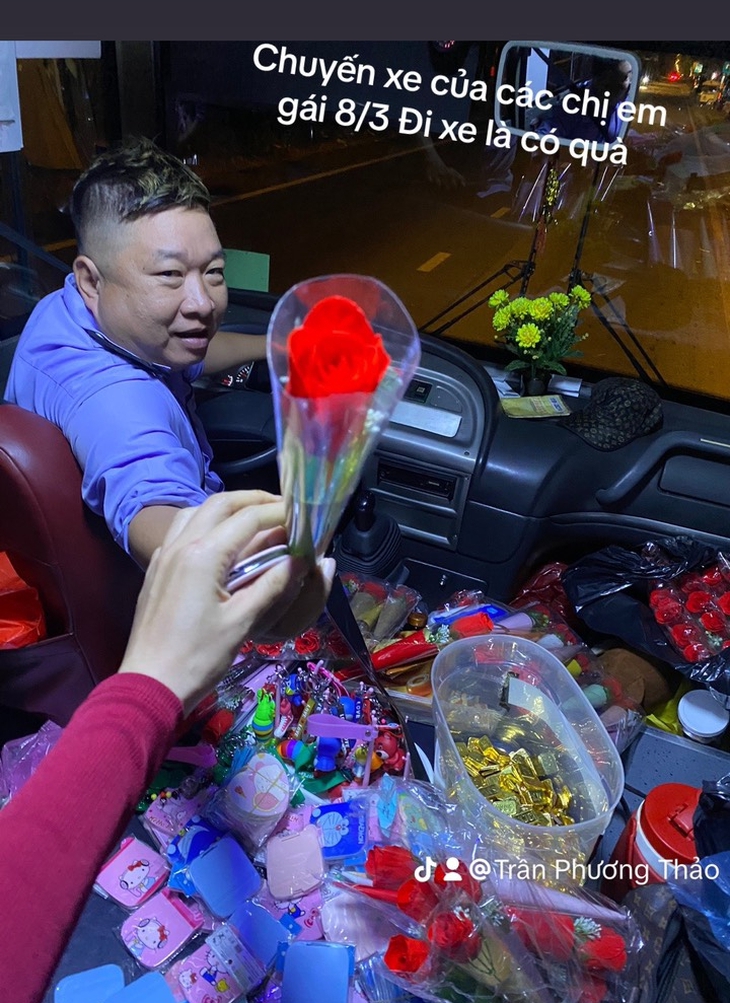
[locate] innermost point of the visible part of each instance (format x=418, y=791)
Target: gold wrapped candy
x=526, y=787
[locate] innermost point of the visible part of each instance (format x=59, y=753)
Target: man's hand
x=188, y=628
x=230, y=349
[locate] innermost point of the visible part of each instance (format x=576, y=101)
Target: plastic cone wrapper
x=342, y=350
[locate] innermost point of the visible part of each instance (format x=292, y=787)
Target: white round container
x=702, y=717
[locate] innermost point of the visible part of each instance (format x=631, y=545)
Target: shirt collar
x=85, y=319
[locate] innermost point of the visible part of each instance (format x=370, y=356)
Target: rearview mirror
x=572, y=91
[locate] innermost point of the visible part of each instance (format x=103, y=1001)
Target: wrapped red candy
x=426, y=643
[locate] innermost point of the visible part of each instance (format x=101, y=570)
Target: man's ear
x=88, y=281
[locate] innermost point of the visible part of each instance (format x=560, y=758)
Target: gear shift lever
x=365, y=512
x=371, y=543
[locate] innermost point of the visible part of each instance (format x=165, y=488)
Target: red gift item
x=696, y=653
x=550, y=934
x=455, y=935
x=684, y=634
x=657, y=597
x=405, y=955
x=606, y=952
x=713, y=621
x=417, y=899
x=308, y=643
x=471, y=625
x=712, y=576
x=443, y=878
x=723, y=602
x=414, y=648
x=668, y=612
x=335, y=351
x=218, y=726
x=390, y=866
x=698, y=602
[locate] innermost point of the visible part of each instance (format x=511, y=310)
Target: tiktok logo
x=426, y=871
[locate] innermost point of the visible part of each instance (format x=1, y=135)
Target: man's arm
x=231, y=348
x=147, y=531
x=140, y=458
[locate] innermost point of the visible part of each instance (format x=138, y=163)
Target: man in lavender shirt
x=110, y=357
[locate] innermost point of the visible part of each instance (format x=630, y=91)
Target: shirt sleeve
x=56, y=833
x=136, y=448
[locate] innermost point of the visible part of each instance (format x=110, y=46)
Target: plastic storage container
x=521, y=696
x=658, y=835
x=702, y=717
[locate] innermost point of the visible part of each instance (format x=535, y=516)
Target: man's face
x=161, y=292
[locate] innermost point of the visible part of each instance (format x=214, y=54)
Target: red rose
x=390, y=866
x=684, y=634
x=545, y=933
x=698, y=602
x=724, y=602
x=468, y=885
x=668, y=612
x=713, y=576
x=335, y=351
x=455, y=935
x=417, y=899
x=594, y=990
x=657, y=597
x=606, y=952
x=307, y=643
x=696, y=653
x=406, y=956
x=273, y=650
x=713, y=621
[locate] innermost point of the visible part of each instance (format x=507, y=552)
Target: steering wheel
x=241, y=429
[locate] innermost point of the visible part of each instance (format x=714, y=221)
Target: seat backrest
x=87, y=584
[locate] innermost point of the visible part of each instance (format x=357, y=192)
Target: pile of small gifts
x=295, y=847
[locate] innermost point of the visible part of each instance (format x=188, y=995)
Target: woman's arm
x=56, y=833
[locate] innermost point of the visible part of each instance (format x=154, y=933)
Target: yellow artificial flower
x=501, y=318
x=500, y=298
x=528, y=336
x=559, y=299
x=520, y=307
x=580, y=296
x=541, y=308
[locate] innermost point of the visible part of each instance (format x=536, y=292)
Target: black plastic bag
x=609, y=592
x=711, y=820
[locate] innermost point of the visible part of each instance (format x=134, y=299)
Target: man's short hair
x=132, y=180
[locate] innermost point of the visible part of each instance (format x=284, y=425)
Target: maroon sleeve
x=58, y=831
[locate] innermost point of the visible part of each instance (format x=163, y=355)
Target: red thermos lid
x=666, y=821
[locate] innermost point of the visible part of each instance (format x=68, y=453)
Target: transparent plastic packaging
x=469, y=922
x=515, y=695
